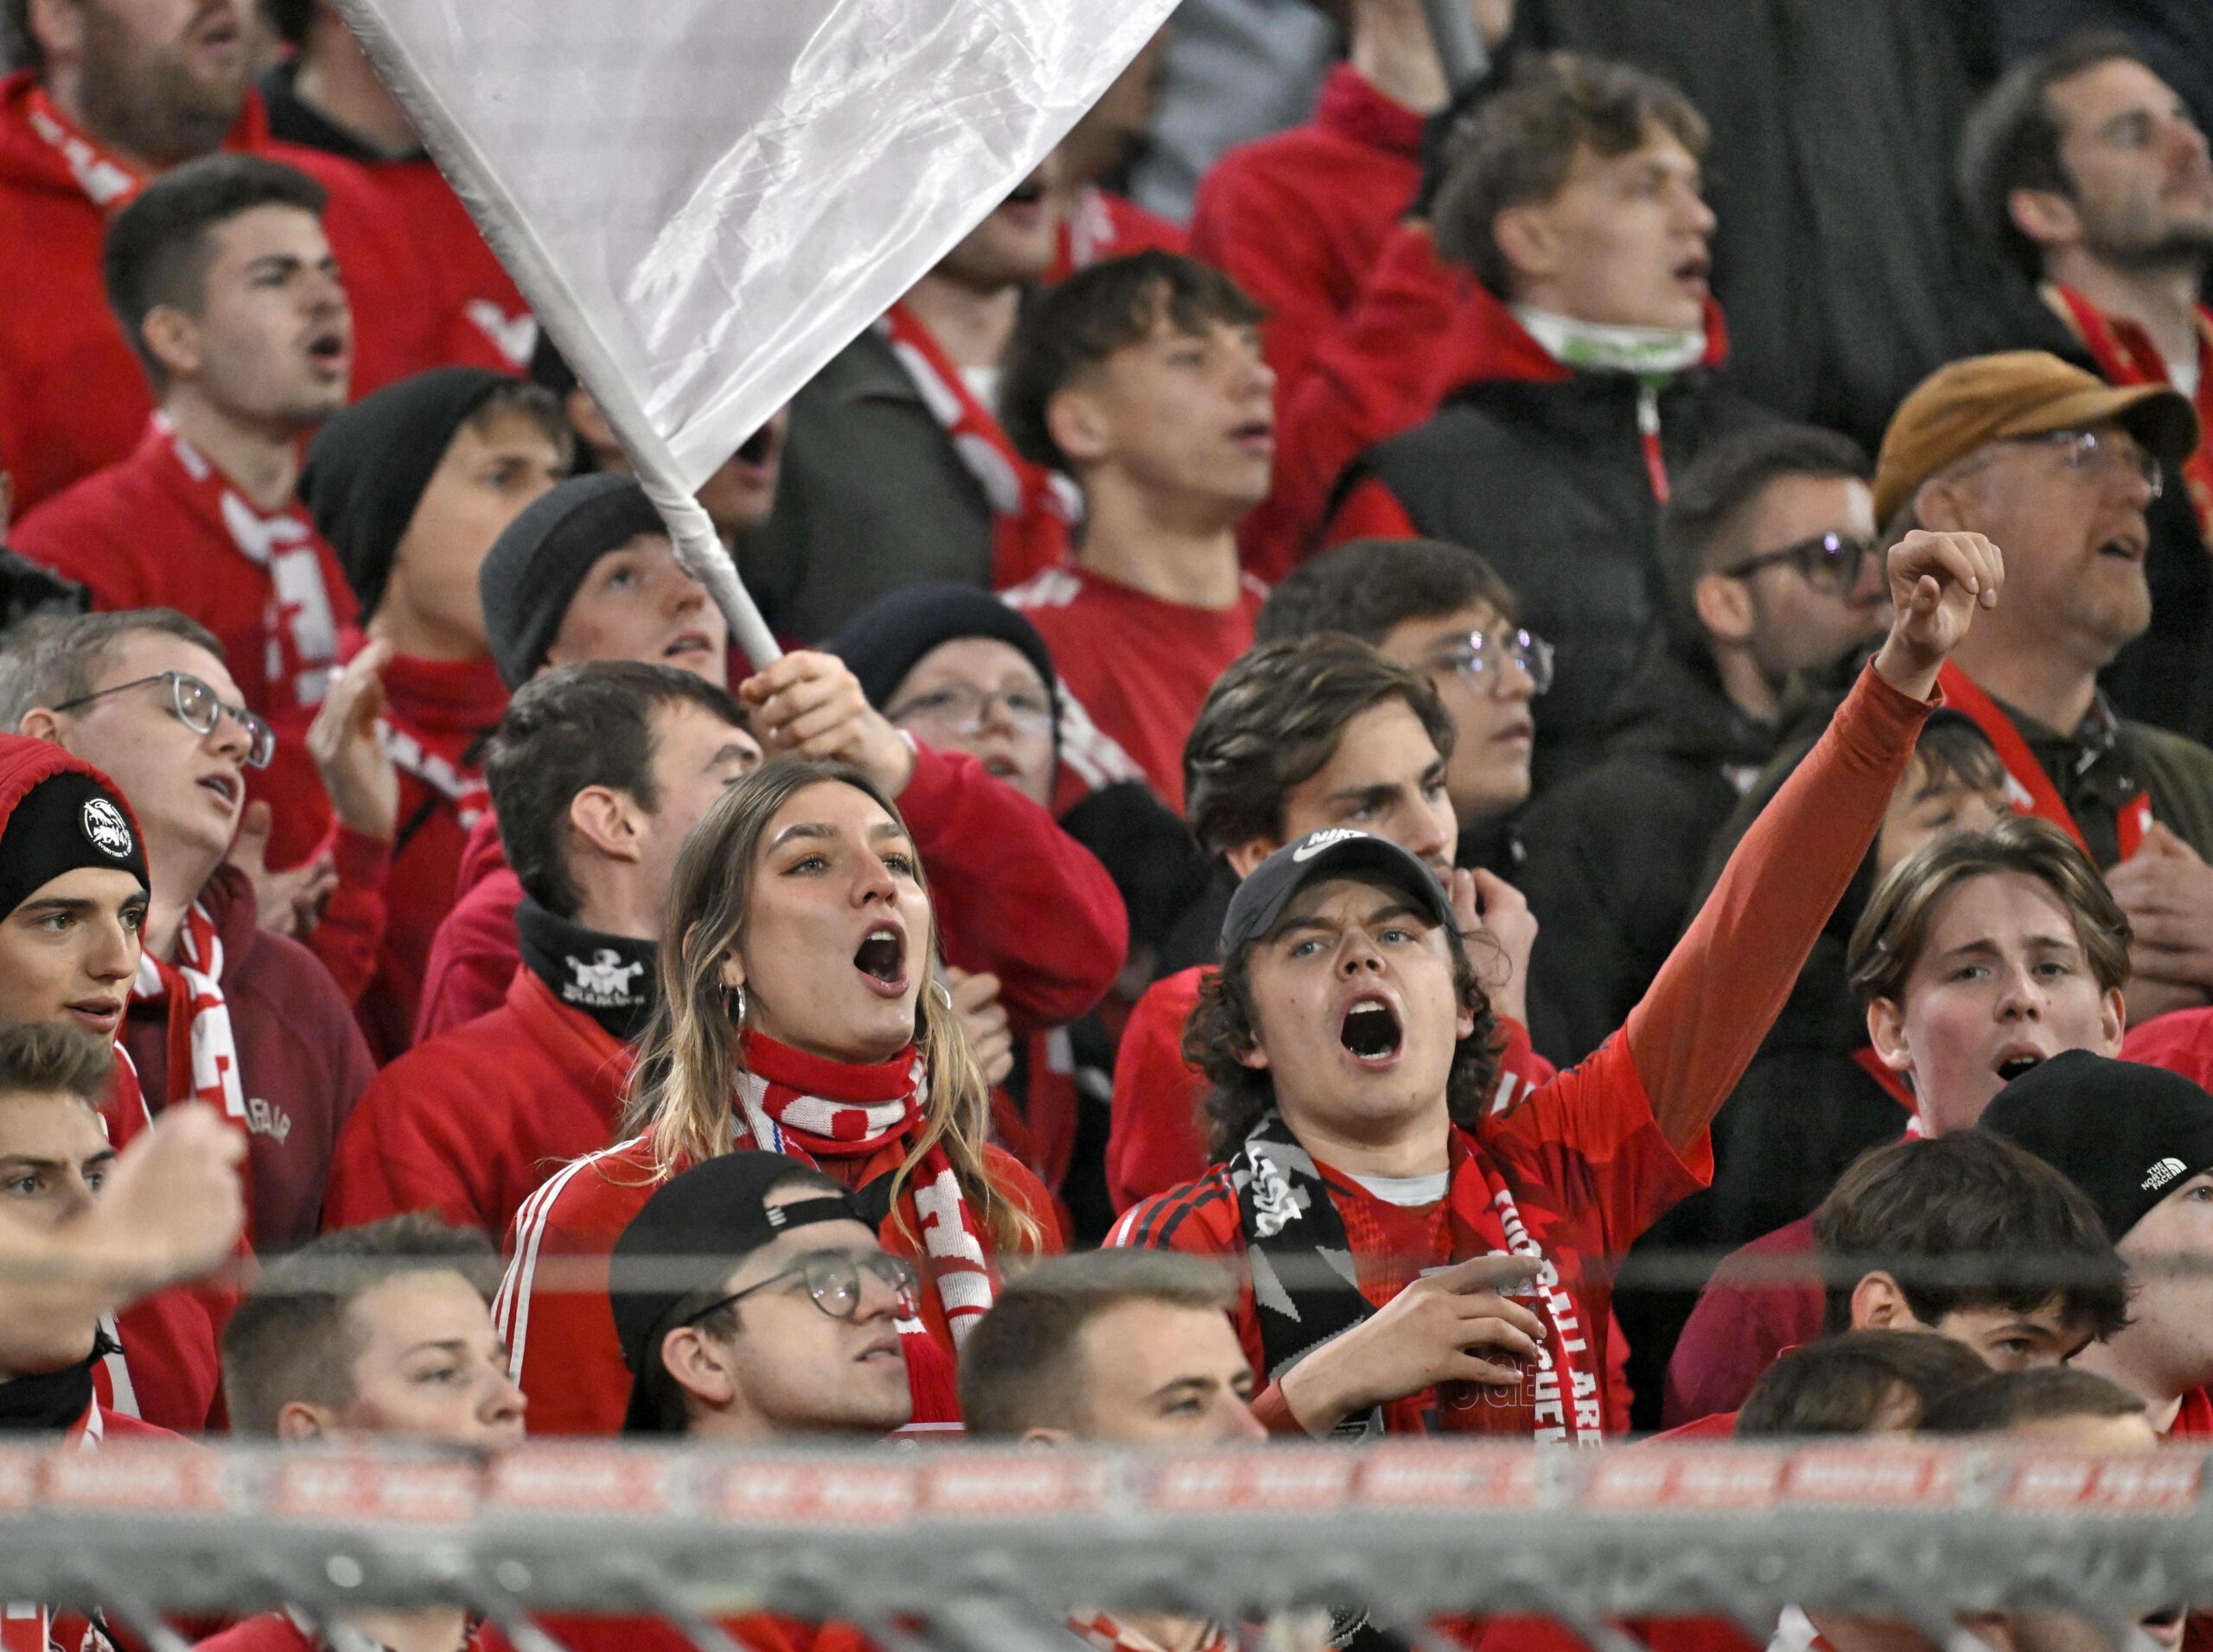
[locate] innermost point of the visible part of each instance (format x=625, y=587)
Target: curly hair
x=1223, y=1027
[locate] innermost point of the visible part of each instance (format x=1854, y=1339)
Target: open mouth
x=1370, y=1030
x=224, y=787
x=2164, y=1627
x=1258, y=434
x=760, y=447
x=882, y=1350
x=883, y=957
x=1521, y=732
x=327, y=348
x=1695, y=274
x=2012, y=1067
x=688, y=644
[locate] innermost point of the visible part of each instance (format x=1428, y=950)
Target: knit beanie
x=369, y=467
x=889, y=640
x=2126, y=1134
x=537, y=565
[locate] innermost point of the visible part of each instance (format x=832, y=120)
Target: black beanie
x=532, y=575
x=887, y=640
x=369, y=467
x=2126, y=1134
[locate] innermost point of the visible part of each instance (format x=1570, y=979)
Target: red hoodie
x=1362, y=317
x=302, y=1061
x=73, y=394
x=471, y=1123
x=376, y=933
x=166, y=529
x=995, y=861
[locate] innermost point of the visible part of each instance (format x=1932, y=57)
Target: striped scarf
x=812, y=1109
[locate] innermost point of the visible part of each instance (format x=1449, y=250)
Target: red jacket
x=1362, y=317
x=301, y=1061
x=376, y=934
x=73, y=395
x=147, y=532
x=1136, y=667
x=559, y=1326
x=995, y=861
x=474, y=954
x=471, y=1123
x=1099, y=224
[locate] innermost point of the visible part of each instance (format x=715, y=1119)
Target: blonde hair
x=684, y=1084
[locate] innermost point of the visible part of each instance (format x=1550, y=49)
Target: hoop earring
x=944, y=993
x=734, y=1004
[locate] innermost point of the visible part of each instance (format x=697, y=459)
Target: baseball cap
x=687, y=1240
x=2126, y=1134
x=1965, y=405
x=1331, y=852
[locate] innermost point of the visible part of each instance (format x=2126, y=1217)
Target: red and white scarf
x=793, y=1103
x=26, y=1626
x=108, y=183
x=203, y=1054
x=300, y=626
x=1033, y=509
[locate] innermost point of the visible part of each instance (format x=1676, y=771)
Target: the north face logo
x=2164, y=1172
x=1318, y=841
x=105, y=826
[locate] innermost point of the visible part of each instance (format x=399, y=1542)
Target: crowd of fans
x=1356, y=785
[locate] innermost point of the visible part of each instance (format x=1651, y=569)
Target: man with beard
x=2088, y=172
x=109, y=95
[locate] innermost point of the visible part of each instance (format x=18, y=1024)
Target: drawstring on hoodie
x=1647, y=429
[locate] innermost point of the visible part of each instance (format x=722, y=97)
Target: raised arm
x=1710, y=1006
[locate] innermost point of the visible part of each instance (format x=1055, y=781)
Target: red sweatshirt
x=73, y=395
x=377, y=932
x=302, y=1061
x=165, y=529
x=470, y=1123
x=1741, y=1325
x=559, y=1326
x=1363, y=318
x=1137, y=667
x=995, y=861
x=1586, y=1153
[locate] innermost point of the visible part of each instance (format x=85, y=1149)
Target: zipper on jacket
x=1648, y=429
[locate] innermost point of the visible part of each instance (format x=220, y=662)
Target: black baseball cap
x=2126, y=1134
x=687, y=1240
x=1334, y=851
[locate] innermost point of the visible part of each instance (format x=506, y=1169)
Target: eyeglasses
x=833, y=1279
x=1828, y=562
x=197, y=707
x=1482, y=659
x=962, y=708
x=2087, y=452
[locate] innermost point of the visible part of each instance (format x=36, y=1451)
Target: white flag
x=704, y=200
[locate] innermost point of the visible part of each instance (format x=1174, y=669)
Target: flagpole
x=697, y=547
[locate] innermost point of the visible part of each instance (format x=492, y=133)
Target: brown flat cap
x=1968, y=405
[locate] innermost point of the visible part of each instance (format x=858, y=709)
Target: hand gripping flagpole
x=697, y=547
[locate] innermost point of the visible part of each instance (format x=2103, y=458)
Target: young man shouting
x=1352, y=1053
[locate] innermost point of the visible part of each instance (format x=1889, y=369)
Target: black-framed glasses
x=1482, y=658
x=2088, y=452
x=962, y=708
x=1828, y=562
x=834, y=1281
x=198, y=708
